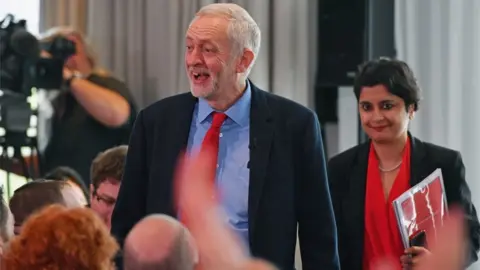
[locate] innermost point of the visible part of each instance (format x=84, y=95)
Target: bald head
x=159, y=242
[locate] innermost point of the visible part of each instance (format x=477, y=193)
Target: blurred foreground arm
x=448, y=252
x=218, y=247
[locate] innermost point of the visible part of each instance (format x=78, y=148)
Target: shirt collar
x=239, y=112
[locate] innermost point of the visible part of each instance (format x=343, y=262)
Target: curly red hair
x=59, y=238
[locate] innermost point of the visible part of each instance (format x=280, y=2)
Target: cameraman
x=93, y=113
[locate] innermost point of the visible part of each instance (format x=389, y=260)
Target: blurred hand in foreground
x=448, y=251
x=195, y=192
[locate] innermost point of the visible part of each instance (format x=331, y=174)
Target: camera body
x=47, y=73
x=22, y=68
x=60, y=47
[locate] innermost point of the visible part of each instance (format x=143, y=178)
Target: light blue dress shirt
x=232, y=178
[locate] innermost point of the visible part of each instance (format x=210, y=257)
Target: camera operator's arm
x=14, y=165
x=105, y=105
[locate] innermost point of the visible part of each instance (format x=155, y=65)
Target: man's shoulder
x=286, y=107
x=436, y=153
x=166, y=109
x=169, y=104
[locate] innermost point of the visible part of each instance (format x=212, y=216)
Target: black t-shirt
x=77, y=137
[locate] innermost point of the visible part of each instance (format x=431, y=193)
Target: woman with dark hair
x=387, y=165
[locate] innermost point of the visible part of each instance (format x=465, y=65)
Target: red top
x=382, y=238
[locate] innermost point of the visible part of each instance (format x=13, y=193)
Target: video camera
x=22, y=67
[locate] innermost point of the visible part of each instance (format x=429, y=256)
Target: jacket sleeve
x=131, y=206
x=458, y=194
x=317, y=230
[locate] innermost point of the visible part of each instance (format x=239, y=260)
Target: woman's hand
x=413, y=256
x=447, y=252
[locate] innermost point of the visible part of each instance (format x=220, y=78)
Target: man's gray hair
x=242, y=30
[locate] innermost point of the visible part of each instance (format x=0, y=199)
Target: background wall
x=441, y=40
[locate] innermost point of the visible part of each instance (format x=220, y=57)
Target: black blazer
x=288, y=179
x=347, y=176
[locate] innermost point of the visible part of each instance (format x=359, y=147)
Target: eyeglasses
x=109, y=201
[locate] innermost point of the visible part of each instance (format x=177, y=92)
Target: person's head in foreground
x=222, y=44
x=218, y=246
x=159, y=242
x=37, y=194
x=388, y=97
x=62, y=238
x=106, y=175
x=6, y=222
x=72, y=177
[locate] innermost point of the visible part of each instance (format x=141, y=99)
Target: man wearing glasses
x=105, y=178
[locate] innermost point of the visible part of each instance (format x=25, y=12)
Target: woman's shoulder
x=349, y=155
x=435, y=151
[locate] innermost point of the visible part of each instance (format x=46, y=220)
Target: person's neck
x=390, y=154
x=228, y=96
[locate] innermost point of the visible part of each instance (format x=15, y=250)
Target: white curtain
x=440, y=39
x=142, y=42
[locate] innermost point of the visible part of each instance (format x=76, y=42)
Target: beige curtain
x=63, y=13
x=440, y=40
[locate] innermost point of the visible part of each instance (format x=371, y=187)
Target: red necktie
x=211, y=140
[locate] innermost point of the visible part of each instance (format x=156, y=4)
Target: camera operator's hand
x=45, y=54
x=78, y=63
x=67, y=74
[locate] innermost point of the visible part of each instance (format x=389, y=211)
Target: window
x=28, y=10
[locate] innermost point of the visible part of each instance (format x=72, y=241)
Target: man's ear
x=245, y=61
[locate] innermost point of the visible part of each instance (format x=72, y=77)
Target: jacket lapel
x=354, y=203
x=185, y=118
x=261, y=136
x=176, y=143
x=419, y=168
